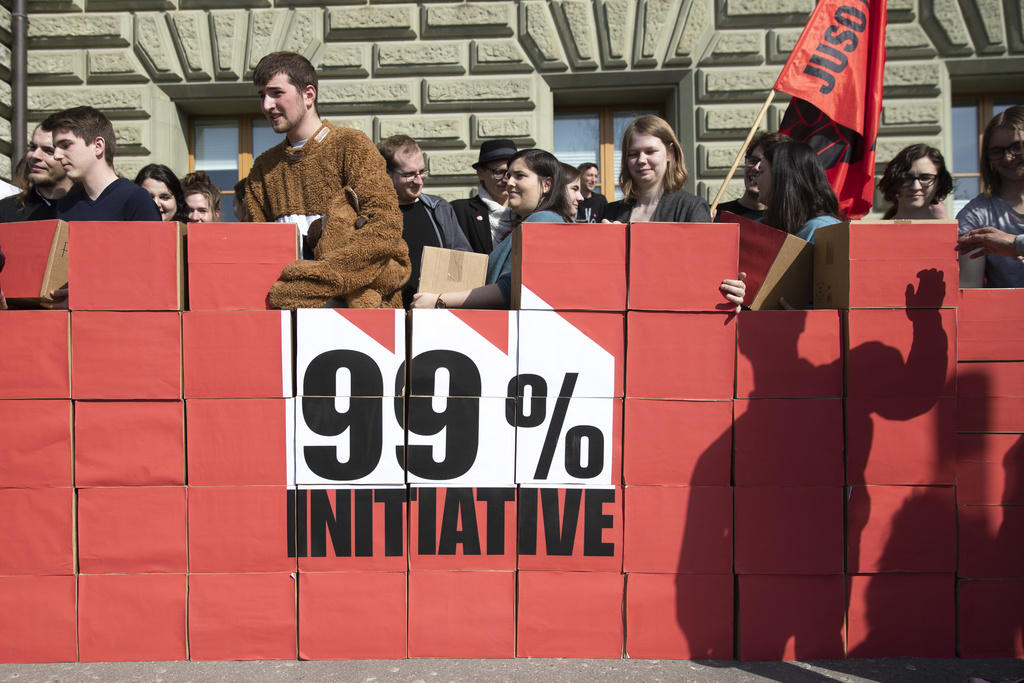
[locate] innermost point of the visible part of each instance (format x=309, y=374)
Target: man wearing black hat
x=486, y=218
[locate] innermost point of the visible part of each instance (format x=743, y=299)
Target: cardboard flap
x=448, y=270
x=37, y=258
x=777, y=265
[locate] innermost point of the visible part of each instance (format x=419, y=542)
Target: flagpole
x=743, y=150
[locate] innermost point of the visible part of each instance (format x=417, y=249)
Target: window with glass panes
x=225, y=147
x=595, y=135
x=970, y=116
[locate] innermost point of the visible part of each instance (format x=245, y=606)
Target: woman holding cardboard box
x=535, y=183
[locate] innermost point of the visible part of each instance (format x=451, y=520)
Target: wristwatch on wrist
x=440, y=302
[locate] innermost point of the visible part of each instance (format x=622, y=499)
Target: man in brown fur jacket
x=333, y=184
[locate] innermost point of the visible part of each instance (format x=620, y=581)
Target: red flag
x=835, y=76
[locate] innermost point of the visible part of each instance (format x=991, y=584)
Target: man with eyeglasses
x=427, y=220
x=486, y=219
x=748, y=205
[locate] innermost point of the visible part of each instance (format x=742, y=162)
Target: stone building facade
x=453, y=74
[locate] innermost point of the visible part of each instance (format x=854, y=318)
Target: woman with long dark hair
x=165, y=189
x=915, y=181
x=535, y=183
x=573, y=190
x=793, y=187
x=992, y=224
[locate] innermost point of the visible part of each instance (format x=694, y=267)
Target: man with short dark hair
x=748, y=206
x=83, y=141
x=486, y=218
x=333, y=184
x=591, y=209
x=427, y=220
x=47, y=183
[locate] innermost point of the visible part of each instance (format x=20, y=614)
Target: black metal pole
x=19, y=68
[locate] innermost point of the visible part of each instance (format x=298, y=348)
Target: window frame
x=606, y=143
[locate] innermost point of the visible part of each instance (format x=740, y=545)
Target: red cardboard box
x=901, y=529
x=462, y=614
x=232, y=265
x=36, y=448
x=569, y=266
x=684, y=443
x=990, y=469
x=378, y=333
x=554, y=345
x=241, y=616
x=991, y=324
x=488, y=340
x=130, y=443
x=35, y=362
x=134, y=529
x=351, y=529
x=778, y=265
x=36, y=530
x=238, y=529
x=237, y=354
x=126, y=355
x=576, y=529
x=699, y=255
x=901, y=615
x=901, y=440
x=36, y=259
x=990, y=618
x=678, y=530
x=990, y=541
x=868, y=264
x=44, y=630
x=131, y=617
x=462, y=528
x=352, y=615
x=770, y=452
x=679, y=616
x=581, y=446
x=884, y=360
x=791, y=618
x=125, y=266
x=681, y=355
x=999, y=415
x=789, y=530
x=570, y=614
x=239, y=442
x=789, y=354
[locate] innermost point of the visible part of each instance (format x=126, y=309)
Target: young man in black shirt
x=748, y=205
x=83, y=140
x=427, y=220
x=591, y=209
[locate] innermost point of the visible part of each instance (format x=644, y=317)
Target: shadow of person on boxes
x=811, y=416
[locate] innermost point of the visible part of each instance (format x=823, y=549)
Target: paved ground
x=437, y=670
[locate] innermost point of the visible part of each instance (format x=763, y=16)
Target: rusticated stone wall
x=453, y=74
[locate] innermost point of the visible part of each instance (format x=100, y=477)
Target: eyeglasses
x=1014, y=150
x=926, y=179
x=498, y=172
x=422, y=173
x=753, y=160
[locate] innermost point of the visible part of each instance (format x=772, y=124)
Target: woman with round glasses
x=915, y=181
x=992, y=224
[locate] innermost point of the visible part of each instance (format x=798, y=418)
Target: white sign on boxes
x=479, y=398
